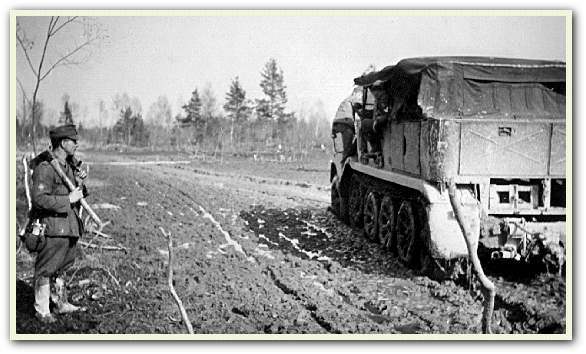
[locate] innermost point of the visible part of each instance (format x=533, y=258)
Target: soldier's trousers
x=56, y=257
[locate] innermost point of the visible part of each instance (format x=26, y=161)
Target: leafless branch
x=22, y=89
x=68, y=55
x=170, y=278
x=107, y=248
x=68, y=21
x=52, y=24
x=55, y=25
x=111, y=276
x=101, y=234
x=21, y=41
x=44, y=52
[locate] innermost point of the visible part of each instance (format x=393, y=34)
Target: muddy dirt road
x=257, y=251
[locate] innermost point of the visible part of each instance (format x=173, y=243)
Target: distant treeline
x=246, y=126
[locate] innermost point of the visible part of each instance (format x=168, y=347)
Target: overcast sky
x=320, y=55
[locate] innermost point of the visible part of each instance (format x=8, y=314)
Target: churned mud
x=256, y=250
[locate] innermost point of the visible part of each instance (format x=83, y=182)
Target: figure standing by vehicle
x=57, y=208
x=344, y=124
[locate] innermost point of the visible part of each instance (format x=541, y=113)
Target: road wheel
x=335, y=197
x=370, y=216
x=355, y=205
x=406, y=233
x=386, y=223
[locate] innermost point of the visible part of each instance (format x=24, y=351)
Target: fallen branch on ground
x=100, y=234
x=111, y=276
x=107, y=248
x=170, y=283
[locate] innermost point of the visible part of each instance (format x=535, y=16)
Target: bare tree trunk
x=26, y=45
x=34, y=119
x=24, y=107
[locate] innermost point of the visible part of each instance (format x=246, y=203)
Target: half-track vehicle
x=494, y=127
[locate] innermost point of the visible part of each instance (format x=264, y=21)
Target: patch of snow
x=163, y=252
x=229, y=240
x=266, y=239
x=183, y=246
x=317, y=228
x=309, y=254
x=264, y=253
x=130, y=163
x=105, y=206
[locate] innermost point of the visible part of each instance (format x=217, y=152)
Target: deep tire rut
x=312, y=308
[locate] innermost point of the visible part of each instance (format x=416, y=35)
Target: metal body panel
x=411, y=131
x=557, y=164
x=506, y=148
x=396, y=146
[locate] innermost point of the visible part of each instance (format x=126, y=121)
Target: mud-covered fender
x=344, y=180
x=342, y=175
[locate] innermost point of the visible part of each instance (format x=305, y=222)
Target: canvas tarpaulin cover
x=474, y=86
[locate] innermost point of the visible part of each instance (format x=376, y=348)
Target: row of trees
x=246, y=124
x=268, y=113
x=253, y=123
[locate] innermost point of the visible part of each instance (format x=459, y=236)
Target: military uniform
x=51, y=205
x=50, y=197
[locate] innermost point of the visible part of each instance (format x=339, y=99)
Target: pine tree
x=272, y=107
x=66, y=117
x=237, y=107
x=193, y=116
x=193, y=108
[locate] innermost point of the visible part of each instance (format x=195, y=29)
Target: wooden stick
x=488, y=288
x=111, y=276
x=26, y=182
x=22, y=230
x=170, y=283
x=101, y=234
x=107, y=248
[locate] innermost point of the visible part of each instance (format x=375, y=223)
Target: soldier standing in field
x=55, y=206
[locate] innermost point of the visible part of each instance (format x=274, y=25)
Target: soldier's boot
x=42, y=296
x=59, y=297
